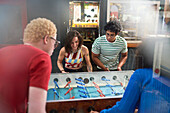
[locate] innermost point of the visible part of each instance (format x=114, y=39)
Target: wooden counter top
x=133, y=43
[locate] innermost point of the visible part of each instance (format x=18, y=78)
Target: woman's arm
x=60, y=60
x=87, y=58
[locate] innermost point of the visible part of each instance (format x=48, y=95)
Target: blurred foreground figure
x=25, y=69
x=146, y=90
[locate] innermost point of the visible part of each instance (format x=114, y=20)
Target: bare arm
x=60, y=60
x=37, y=100
x=87, y=58
x=167, y=11
x=122, y=60
x=98, y=62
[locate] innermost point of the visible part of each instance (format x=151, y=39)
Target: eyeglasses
x=56, y=42
x=111, y=35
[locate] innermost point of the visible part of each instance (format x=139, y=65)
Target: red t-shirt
x=21, y=66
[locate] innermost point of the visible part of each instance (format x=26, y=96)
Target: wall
x=58, y=12
x=13, y=17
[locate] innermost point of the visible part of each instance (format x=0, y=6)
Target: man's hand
x=119, y=69
x=106, y=69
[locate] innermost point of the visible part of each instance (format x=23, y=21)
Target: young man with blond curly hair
x=25, y=69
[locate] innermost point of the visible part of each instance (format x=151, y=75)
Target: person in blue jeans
x=148, y=93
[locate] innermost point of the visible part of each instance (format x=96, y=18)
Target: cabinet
x=84, y=14
x=88, y=34
x=84, y=17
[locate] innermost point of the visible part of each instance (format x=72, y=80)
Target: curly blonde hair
x=39, y=28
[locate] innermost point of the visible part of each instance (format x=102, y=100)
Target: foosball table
x=85, y=91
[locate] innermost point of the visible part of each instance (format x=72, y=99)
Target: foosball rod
x=69, y=90
x=104, y=79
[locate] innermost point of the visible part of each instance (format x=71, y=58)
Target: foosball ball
x=85, y=91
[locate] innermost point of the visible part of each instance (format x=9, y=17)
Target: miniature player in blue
x=147, y=93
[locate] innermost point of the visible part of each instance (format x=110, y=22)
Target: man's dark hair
x=69, y=38
x=113, y=26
